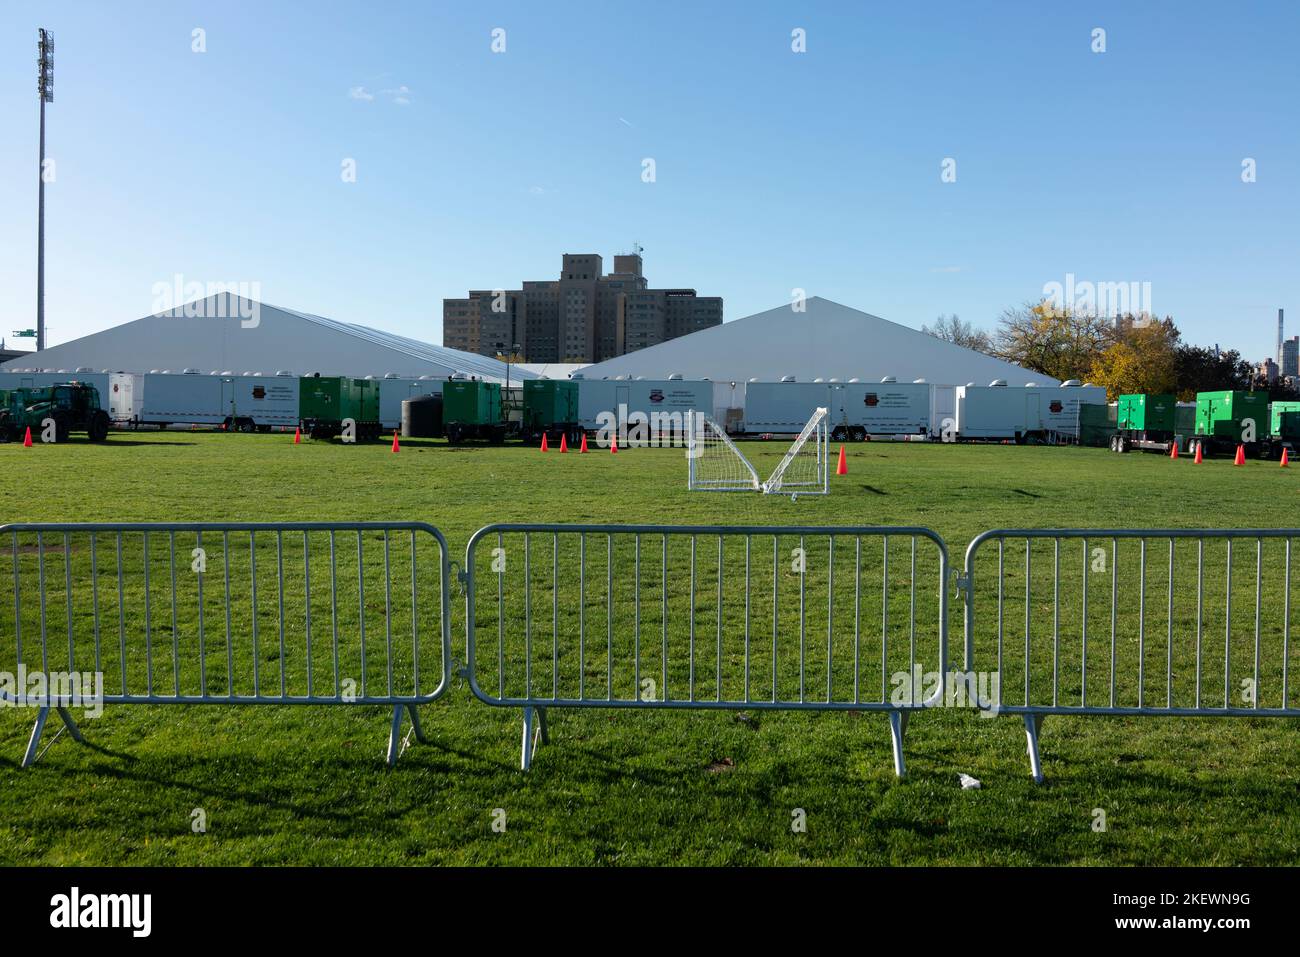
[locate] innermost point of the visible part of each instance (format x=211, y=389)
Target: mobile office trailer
x=395, y=389
x=606, y=403
x=855, y=409
x=1029, y=413
x=120, y=393
x=238, y=403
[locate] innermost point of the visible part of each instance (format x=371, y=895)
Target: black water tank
x=422, y=417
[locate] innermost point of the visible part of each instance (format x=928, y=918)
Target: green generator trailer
x=1227, y=419
x=471, y=409
x=1281, y=419
x=326, y=404
x=70, y=406
x=1097, y=424
x=550, y=409
x=1145, y=421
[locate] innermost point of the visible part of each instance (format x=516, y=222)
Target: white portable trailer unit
x=244, y=403
x=394, y=390
x=119, y=392
x=998, y=411
x=943, y=411
x=856, y=409
x=663, y=401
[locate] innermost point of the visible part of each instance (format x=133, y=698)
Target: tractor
x=73, y=407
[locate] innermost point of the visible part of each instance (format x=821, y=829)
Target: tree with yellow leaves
x=1142, y=358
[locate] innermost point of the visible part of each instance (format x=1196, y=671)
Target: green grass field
x=307, y=785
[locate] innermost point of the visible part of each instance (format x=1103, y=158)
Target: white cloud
x=360, y=93
x=400, y=95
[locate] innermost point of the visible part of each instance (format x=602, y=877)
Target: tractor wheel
x=62, y=427
x=97, y=428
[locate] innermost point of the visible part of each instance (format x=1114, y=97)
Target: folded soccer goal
x=715, y=464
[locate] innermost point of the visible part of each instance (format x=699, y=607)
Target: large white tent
x=227, y=333
x=825, y=340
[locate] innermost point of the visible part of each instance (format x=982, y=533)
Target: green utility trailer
x=1225, y=420
x=1279, y=416
x=471, y=409
x=327, y=404
x=1146, y=421
x=550, y=409
x=70, y=406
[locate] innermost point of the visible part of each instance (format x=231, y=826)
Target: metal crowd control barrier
x=709, y=617
x=226, y=613
x=1131, y=622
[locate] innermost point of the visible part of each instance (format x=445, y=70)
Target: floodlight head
x=45, y=67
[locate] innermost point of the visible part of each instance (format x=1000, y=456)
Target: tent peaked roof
x=228, y=332
x=826, y=340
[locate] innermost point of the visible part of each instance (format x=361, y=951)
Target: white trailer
x=856, y=409
x=119, y=392
x=395, y=389
x=998, y=411
x=943, y=411
x=665, y=401
x=244, y=403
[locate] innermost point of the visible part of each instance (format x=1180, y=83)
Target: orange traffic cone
x=544, y=447
x=564, y=442
x=297, y=435
x=843, y=467
x=613, y=445
x=1173, y=450
x=1241, y=456
x=396, y=447
x=1285, y=460
x=27, y=439
x=584, y=442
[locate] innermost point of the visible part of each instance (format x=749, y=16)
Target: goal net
x=804, y=470
x=714, y=464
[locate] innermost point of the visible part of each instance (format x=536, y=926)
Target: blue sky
x=774, y=170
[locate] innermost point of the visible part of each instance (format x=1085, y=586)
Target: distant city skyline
x=365, y=164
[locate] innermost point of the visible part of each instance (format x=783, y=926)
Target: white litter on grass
x=968, y=783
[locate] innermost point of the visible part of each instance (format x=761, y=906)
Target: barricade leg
x=534, y=728
x=34, y=742
x=542, y=726
x=415, y=724
x=395, y=733
x=1033, y=724
x=897, y=728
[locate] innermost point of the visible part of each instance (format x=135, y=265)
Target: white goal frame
x=818, y=431
x=700, y=426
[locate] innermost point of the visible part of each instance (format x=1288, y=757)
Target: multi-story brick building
x=584, y=316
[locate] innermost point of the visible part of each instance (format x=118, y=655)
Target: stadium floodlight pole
x=45, y=88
